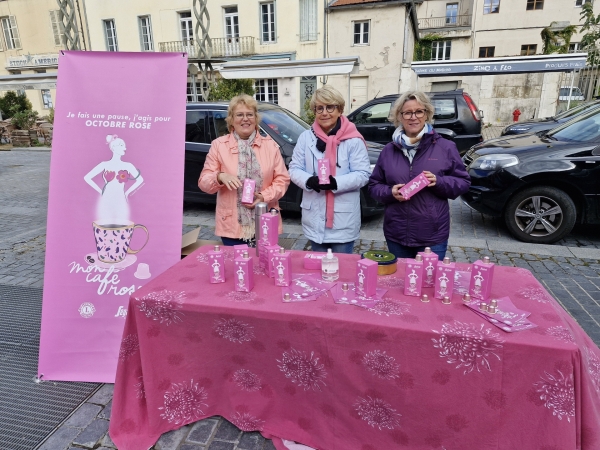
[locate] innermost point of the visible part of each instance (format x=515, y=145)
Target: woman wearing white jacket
x=330, y=212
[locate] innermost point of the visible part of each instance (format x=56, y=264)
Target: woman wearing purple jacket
x=423, y=220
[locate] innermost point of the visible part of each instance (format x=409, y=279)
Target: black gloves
x=313, y=183
x=332, y=186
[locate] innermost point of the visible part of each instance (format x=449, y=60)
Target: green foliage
x=51, y=116
x=308, y=114
x=13, y=103
x=223, y=89
x=591, y=24
x=422, y=51
x=557, y=41
x=24, y=120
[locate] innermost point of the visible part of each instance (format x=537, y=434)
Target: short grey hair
x=328, y=95
x=420, y=97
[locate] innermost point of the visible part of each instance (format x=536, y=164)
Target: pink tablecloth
x=405, y=374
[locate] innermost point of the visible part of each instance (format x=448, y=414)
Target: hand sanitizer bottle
x=330, y=267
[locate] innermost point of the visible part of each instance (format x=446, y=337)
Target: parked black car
x=456, y=118
x=547, y=123
x=542, y=184
x=206, y=121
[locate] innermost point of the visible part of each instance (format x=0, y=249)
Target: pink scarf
x=347, y=131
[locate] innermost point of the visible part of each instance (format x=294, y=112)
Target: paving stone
x=191, y=447
x=103, y=395
x=172, y=439
x=92, y=434
x=221, y=445
x=61, y=439
x=269, y=445
x=83, y=416
x=251, y=441
x=227, y=431
x=107, y=441
x=202, y=431
x=105, y=413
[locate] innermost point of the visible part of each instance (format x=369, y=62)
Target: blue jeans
x=345, y=247
x=403, y=251
x=230, y=242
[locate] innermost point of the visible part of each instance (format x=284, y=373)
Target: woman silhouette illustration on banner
x=113, y=207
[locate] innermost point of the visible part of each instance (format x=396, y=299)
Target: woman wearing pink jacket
x=241, y=154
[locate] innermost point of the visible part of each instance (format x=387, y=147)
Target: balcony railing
x=239, y=46
x=445, y=22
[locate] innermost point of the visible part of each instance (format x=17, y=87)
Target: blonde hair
x=420, y=97
x=242, y=99
x=328, y=95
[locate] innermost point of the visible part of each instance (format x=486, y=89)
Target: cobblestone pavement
x=570, y=271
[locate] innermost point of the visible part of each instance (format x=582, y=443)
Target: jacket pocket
x=306, y=202
x=225, y=218
x=344, y=207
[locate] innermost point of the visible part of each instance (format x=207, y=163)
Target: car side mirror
x=481, y=113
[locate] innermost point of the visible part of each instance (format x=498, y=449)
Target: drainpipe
x=570, y=90
x=325, y=32
x=87, y=27
x=406, y=23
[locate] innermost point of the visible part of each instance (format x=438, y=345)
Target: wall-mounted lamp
x=287, y=92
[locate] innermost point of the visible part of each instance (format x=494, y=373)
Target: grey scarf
x=248, y=167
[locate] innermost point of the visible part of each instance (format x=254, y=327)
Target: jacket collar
x=233, y=145
x=426, y=141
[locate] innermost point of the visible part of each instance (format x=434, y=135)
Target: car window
x=584, y=128
x=444, y=108
x=195, y=127
x=576, y=92
x=282, y=123
x=576, y=110
x=374, y=114
x=220, y=123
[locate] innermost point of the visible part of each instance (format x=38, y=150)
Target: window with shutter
x=308, y=20
x=58, y=27
x=10, y=32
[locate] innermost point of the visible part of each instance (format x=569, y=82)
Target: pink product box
x=269, y=228
x=444, y=279
x=263, y=257
x=238, y=250
x=324, y=171
x=244, y=274
x=312, y=261
x=282, y=264
x=415, y=185
x=248, y=191
x=413, y=278
x=429, y=263
x=270, y=252
x=481, y=280
x=217, y=263
x=366, y=277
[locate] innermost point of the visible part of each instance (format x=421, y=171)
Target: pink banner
x=115, y=199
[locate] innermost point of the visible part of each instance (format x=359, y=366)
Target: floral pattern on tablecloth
x=129, y=346
x=247, y=380
x=247, y=422
x=183, y=403
x=303, y=369
x=557, y=393
x=381, y=364
x=593, y=365
x=377, y=412
x=234, y=330
x=390, y=281
x=387, y=307
x=534, y=293
x=162, y=306
x=468, y=345
x=140, y=390
x=241, y=297
x=561, y=334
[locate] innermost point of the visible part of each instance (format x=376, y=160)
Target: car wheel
x=540, y=215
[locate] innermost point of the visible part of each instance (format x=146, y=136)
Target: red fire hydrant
x=516, y=114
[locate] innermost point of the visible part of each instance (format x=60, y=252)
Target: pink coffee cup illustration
x=112, y=241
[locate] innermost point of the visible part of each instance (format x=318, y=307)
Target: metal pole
x=571, y=89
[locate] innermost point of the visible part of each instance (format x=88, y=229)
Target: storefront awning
x=498, y=66
x=26, y=82
x=288, y=69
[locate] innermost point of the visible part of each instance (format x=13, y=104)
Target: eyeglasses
x=330, y=108
x=247, y=115
x=419, y=114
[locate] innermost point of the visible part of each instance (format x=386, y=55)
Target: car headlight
x=494, y=162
